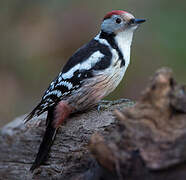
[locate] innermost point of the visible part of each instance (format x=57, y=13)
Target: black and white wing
x=93, y=56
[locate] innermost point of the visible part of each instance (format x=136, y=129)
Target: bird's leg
x=105, y=104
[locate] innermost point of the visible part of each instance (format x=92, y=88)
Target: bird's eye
x=118, y=20
x=132, y=21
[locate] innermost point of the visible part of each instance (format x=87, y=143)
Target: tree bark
x=69, y=154
x=142, y=141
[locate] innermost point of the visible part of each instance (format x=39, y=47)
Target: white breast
x=124, y=40
x=115, y=72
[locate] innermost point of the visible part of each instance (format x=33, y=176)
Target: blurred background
x=37, y=37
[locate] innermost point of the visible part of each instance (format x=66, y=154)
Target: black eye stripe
x=118, y=20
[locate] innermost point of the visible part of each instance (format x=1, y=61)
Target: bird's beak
x=139, y=21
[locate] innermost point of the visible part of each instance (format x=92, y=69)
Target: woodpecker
x=90, y=74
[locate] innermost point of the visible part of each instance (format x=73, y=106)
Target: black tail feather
x=46, y=143
x=33, y=113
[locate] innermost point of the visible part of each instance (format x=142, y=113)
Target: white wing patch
x=55, y=92
x=58, y=93
x=86, y=65
x=65, y=83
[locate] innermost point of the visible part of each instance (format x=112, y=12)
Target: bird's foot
x=105, y=104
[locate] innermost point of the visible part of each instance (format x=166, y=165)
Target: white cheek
x=134, y=27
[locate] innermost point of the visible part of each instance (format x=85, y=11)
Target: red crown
x=116, y=12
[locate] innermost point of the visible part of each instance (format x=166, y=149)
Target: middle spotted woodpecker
x=90, y=74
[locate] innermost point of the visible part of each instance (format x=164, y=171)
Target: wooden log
x=69, y=155
x=146, y=141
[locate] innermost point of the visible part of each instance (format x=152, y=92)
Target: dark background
x=38, y=36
